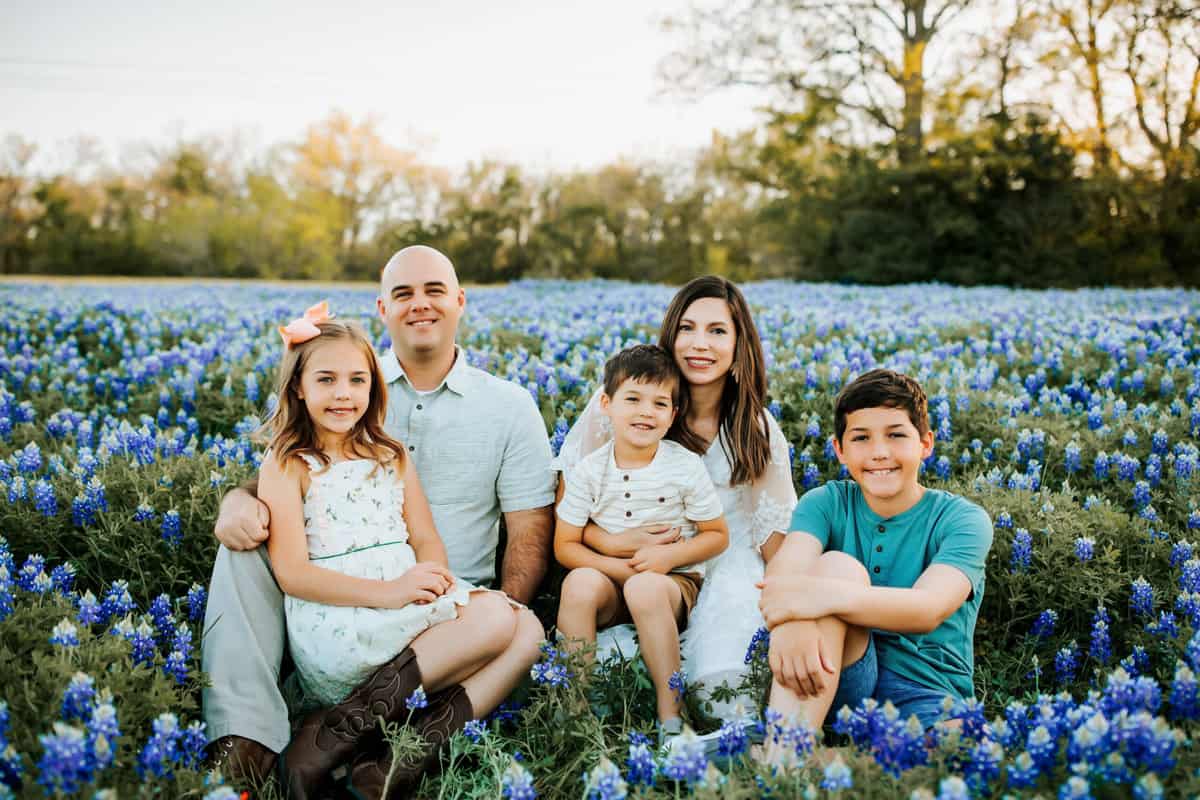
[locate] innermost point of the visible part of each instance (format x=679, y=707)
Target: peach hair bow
x=301, y=329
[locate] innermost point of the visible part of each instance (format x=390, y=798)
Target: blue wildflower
x=1023, y=771
x=32, y=574
x=1148, y=787
x=171, y=528
x=197, y=597
x=983, y=765
x=64, y=767
x=416, y=700
x=103, y=731
x=175, y=666
x=65, y=634
x=1141, y=599
x=1066, y=663
x=143, y=513
x=1043, y=626
x=953, y=788
x=90, y=611
x=1076, y=788
x=1184, y=700
x=475, y=730
x=605, y=782
x=143, y=644
x=1189, y=577
x=1100, y=647
x=686, y=761
x=77, y=698
x=1022, y=551
x=1085, y=548
x=62, y=578
x=517, y=783
x=677, y=683
x=44, y=499
x=639, y=763
x=836, y=776
x=1181, y=552
x=1165, y=626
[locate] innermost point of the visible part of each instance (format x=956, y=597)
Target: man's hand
x=797, y=597
x=796, y=659
x=242, y=522
x=654, y=558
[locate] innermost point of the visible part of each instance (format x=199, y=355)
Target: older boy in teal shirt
x=876, y=590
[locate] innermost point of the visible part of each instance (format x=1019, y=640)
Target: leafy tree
x=867, y=58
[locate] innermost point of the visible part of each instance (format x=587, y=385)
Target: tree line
x=1014, y=142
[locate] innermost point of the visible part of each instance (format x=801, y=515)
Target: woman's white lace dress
x=354, y=524
x=726, y=614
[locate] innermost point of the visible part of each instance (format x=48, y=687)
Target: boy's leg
x=588, y=600
x=241, y=650
x=841, y=644
x=656, y=604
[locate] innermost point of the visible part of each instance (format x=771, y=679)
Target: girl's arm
x=418, y=518
x=279, y=487
x=712, y=537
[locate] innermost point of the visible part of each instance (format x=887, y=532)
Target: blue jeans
x=864, y=679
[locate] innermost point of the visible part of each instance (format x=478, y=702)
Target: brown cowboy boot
x=328, y=737
x=242, y=761
x=448, y=711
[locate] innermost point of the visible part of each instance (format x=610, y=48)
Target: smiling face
x=420, y=303
x=336, y=388
x=641, y=412
x=883, y=451
x=705, y=341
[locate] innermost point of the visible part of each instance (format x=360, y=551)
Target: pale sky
x=546, y=83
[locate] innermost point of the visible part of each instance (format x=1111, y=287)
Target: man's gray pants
x=241, y=651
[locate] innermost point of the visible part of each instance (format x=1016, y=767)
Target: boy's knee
x=583, y=585
x=647, y=591
x=834, y=564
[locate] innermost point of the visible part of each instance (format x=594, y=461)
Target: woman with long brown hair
x=709, y=329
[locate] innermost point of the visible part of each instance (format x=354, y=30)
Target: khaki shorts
x=689, y=584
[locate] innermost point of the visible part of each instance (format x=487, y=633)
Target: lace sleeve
x=591, y=431
x=773, y=495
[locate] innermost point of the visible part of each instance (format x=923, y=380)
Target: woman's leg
x=587, y=600
x=656, y=604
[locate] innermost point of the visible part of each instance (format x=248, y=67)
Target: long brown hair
x=290, y=431
x=741, y=410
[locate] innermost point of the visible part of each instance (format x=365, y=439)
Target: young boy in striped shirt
x=638, y=479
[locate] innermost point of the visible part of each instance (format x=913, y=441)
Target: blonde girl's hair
x=289, y=430
x=744, y=396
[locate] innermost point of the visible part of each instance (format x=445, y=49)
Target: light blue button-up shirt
x=480, y=448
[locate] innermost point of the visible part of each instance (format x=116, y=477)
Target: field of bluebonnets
x=1072, y=417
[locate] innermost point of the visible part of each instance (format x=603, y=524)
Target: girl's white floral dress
x=354, y=524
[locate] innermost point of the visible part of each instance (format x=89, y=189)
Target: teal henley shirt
x=942, y=528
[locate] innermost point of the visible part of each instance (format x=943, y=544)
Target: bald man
x=480, y=450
